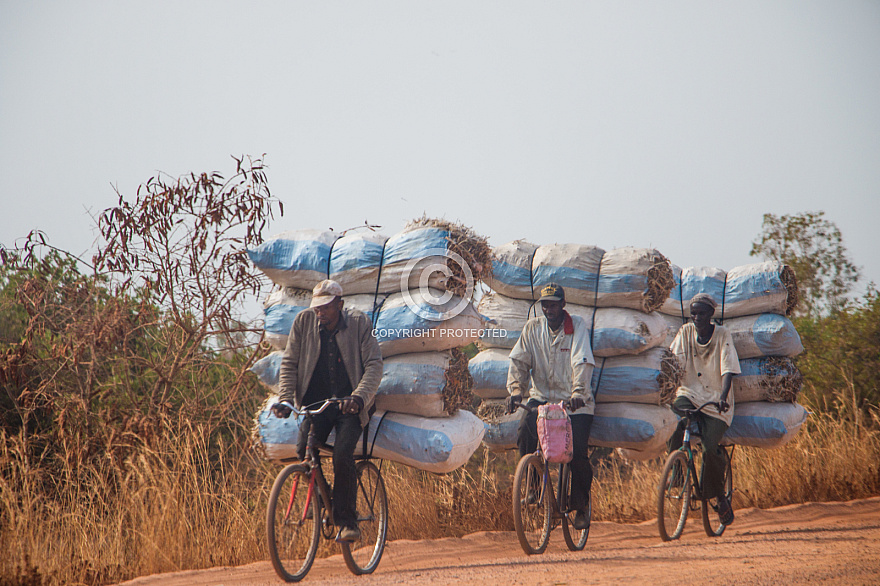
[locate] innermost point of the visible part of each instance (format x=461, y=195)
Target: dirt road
x=816, y=543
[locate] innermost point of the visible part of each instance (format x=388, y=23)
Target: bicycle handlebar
x=307, y=410
x=701, y=407
x=525, y=407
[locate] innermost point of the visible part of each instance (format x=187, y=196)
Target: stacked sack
x=413, y=286
x=753, y=303
x=617, y=293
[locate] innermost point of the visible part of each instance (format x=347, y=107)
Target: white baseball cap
x=325, y=292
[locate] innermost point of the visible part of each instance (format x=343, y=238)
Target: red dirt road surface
x=813, y=543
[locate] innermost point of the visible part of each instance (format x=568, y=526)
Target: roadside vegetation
x=127, y=404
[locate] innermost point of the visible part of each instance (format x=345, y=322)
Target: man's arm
x=371, y=356
x=726, y=381
x=582, y=363
x=289, y=369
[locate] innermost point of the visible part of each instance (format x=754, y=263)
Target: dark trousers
x=581, y=470
x=711, y=432
x=348, y=432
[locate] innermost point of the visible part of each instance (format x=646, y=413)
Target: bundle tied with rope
x=627, y=277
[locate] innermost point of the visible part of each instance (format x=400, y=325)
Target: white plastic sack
x=767, y=334
x=489, y=371
x=413, y=383
x=617, y=331
x=283, y=305
x=743, y=290
x=764, y=425
x=411, y=322
x=774, y=379
x=633, y=426
x=299, y=259
x=437, y=445
x=501, y=431
x=355, y=261
x=630, y=379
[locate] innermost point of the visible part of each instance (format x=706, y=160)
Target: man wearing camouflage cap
x=552, y=361
x=710, y=362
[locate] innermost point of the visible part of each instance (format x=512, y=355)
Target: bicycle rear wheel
x=575, y=539
x=362, y=556
x=711, y=522
x=673, y=496
x=292, y=530
x=531, y=505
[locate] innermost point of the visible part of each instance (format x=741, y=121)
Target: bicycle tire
x=711, y=522
x=292, y=530
x=575, y=539
x=673, y=496
x=363, y=556
x=531, y=517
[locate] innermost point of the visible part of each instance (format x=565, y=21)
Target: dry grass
x=186, y=504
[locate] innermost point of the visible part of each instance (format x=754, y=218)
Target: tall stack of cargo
x=754, y=302
x=415, y=287
x=617, y=293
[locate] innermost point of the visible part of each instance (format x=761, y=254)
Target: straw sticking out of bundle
x=671, y=373
x=457, y=393
x=789, y=279
x=783, y=382
x=660, y=282
x=492, y=410
x=463, y=241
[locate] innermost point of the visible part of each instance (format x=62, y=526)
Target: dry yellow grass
x=185, y=504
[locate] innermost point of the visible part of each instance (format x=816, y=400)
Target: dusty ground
x=816, y=543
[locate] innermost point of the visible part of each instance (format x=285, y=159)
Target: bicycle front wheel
x=531, y=505
x=292, y=530
x=362, y=556
x=673, y=496
x=711, y=522
x=575, y=539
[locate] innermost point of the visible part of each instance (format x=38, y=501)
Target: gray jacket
x=357, y=345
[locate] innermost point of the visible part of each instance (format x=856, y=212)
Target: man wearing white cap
x=710, y=362
x=332, y=353
x=552, y=361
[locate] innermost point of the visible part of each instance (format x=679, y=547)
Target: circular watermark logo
x=430, y=272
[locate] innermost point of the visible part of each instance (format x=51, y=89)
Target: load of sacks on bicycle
x=628, y=340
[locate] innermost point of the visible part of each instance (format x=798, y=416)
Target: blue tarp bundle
x=433, y=444
x=635, y=278
x=767, y=287
x=645, y=378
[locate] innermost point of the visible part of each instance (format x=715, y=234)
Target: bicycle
x=536, y=509
x=679, y=490
x=300, y=511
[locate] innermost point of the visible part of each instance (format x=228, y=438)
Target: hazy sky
x=674, y=125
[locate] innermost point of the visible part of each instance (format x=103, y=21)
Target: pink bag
x=554, y=433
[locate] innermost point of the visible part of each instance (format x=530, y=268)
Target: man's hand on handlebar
x=512, y=402
x=281, y=410
x=576, y=403
x=350, y=405
x=723, y=406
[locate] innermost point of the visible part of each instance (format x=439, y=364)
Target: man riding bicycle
x=707, y=353
x=332, y=353
x=552, y=361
